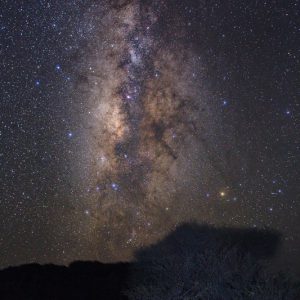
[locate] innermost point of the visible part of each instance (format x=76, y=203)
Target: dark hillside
x=193, y=262
x=81, y=280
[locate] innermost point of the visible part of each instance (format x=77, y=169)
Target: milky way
x=147, y=125
x=119, y=120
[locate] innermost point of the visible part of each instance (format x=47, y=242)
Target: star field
x=121, y=119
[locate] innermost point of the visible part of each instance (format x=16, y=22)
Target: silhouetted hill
x=81, y=280
x=193, y=262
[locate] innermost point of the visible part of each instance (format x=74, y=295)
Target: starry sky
x=119, y=120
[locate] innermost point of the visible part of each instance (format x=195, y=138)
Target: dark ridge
x=81, y=280
x=224, y=263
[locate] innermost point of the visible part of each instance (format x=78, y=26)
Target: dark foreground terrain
x=81, y=280
x=193, y=262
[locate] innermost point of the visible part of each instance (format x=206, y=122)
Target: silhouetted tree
x=201, y=262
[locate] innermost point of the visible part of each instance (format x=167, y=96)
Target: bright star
x=114, y=186
x=222, y=194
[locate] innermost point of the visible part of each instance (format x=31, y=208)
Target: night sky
x=119, y=120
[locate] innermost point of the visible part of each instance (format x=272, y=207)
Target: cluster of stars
x=249, y=130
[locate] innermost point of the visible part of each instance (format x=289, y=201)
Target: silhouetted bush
x=201, y=262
